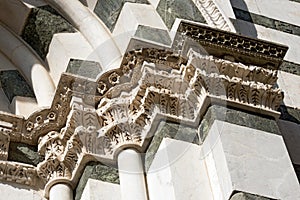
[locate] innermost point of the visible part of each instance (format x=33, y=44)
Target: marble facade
x=149, y=100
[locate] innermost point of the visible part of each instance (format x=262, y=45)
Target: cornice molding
x=151, y=88
x=222, y=44
x=18, y=173
x=213, y=15
x=95, y=119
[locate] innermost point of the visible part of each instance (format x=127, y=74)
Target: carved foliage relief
x=100, y=117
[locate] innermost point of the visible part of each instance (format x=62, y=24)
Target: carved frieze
x=98, y=118
x=221, y=44
x=17, y=172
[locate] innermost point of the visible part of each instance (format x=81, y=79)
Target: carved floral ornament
x=153, y=83
x=95, y=119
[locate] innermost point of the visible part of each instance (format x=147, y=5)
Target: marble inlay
x=290, y=67
x=42, y=24
x=84, y=68
x=153, y=34
x=170, y=130
x=14, y=84
x=169, y=10
x=96, y=171
x=235, y=117
x=108, y=11
x=266, y=21
x=23, y=153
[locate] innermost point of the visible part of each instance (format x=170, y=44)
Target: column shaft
x=131, y=172
x=61, y=191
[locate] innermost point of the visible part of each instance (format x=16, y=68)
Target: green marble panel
x=169, y=10
x=247, y=196
x=14, y=84
x=153, y=34
x=96, y=171
x=42, y=24
x=233, y=116
x=266, y=21
x=170, y=130
x=108, y=11
x=290, y=67
x=84, y=68
x=23, y=153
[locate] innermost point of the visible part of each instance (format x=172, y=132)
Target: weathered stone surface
x=13, y=84
x=108, y=11
x=236, y=117
x=169, y=130
x=247, y=196
x=84, y=68
x=153, y=34
x=23, y=153
x=42, y=24
x=169, y=10
x=96, y=171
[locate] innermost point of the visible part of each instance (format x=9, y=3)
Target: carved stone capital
x=61, y=155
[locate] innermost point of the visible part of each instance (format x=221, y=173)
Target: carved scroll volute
x=4, y=145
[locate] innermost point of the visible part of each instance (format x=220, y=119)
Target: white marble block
x=254, y=161
x=178, y=172
x=99, y=190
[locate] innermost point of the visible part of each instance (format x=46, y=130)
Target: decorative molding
x=221, y=44
x=54, y=119
x=4, y=145
x=19, y=173
x=96, y=119
x=149, y=83
x=213, y=15
x=127, y=111
x=239, y=71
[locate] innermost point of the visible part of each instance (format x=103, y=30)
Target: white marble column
x=131, y=172
x=61, y=191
